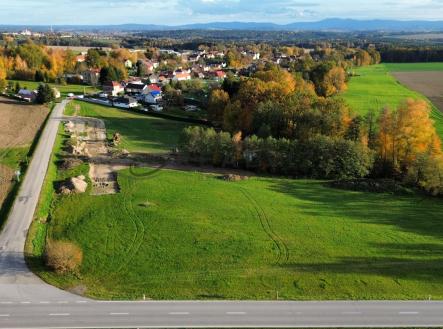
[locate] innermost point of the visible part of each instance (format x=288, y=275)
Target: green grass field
x=140, y=133
x=411, y=67
x=12, y=157
x=64, y=89
x=375, y=88
x=179, y=235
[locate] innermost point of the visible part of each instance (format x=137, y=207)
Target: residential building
x=113, y=88
x=27, y=95
x=219, y=75
x=154, y=97
x=125, y=102
x=135, y=88
x=91, y=77
x=128, y=64
x=80, y=58
x=154, y=87
x=182, y=76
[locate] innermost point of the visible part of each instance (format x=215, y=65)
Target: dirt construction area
x=19, y=124
x=429, y=84
x=89, y=140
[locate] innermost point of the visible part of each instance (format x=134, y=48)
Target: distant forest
x=412, y=55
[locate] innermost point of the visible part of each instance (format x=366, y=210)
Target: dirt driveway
x=429, y=84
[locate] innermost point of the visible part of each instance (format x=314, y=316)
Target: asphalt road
x=16, y=281
x=27, y=302
x=90, y=314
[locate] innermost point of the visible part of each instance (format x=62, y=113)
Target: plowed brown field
x=19, y=124
x=429, y=84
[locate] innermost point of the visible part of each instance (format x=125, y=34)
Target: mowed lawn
x=184, y=235
x=140, y=133
x=375, y=88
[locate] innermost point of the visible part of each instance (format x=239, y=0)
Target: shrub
x=63, y=257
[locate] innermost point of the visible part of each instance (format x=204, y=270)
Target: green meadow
x=374, y=88
x=181, y=235
x=414, y=67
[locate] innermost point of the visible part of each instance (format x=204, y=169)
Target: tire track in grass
x=139, y=235
x=283, y=250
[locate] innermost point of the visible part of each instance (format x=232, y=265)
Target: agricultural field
x=19, y=124
x=429, y=83
x=140, y=133
x=376, y=87
x=64, y=89
x=249, y=240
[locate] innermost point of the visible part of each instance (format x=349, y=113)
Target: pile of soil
x=75, y=185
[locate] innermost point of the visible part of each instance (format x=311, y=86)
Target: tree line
x=411, y=54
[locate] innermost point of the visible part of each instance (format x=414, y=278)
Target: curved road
x=27, y=302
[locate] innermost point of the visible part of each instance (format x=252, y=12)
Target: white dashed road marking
x=236, y=313
x=118, y=313
x=59, y=314
x=178, y=313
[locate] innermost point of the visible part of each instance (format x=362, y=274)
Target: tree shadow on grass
x=428, y=271
x=419, y=215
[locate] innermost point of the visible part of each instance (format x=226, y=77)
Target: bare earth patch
x=19, y=122
x=429, y=84
x=91, y=135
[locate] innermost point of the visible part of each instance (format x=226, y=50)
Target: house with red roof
x=113, y=88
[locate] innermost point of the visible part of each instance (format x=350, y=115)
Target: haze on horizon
x=178, y=12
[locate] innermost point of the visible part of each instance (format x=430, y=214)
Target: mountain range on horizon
x=332, y=24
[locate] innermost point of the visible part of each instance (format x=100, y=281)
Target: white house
x=135, y=88
x=182, y=76
x=128, y=64
x=125, y=102
x=113, y=88
x=154, y=97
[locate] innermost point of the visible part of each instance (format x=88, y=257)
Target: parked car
x=156, y=108
x=191, y=108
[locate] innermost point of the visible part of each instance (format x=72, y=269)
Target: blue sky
x=176, y=12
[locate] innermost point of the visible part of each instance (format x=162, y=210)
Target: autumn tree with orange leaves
x=407, y=137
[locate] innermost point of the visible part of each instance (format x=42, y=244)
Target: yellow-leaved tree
x=408, y=143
